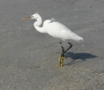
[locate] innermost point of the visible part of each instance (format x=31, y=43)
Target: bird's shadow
x=79, y=56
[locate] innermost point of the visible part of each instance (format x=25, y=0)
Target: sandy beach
x=28, y=58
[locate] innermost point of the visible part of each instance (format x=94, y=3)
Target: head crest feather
x=37, y=13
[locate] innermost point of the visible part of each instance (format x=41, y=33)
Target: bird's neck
x=39, y=20
x=37, y=25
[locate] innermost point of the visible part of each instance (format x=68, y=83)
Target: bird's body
x=57, y=30
x=60, y=31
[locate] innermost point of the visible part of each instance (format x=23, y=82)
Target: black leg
x=61, y=58
x=63, y=50
x=70, y=46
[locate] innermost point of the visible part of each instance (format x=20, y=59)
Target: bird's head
x=34, y=16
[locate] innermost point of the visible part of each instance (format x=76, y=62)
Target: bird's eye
x=32, y=17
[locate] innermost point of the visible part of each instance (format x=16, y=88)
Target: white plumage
x=57, y=30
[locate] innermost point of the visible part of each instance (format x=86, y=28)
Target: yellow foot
x=60, y=60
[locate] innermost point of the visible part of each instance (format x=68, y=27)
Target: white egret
x=57, y=30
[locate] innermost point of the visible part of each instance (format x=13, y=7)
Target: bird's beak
x=26, y=18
